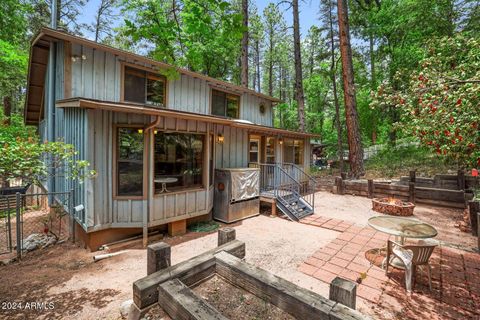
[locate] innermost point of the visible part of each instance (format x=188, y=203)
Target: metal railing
x=308, y=183
x=281, y=180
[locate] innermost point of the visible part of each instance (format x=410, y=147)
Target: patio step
x=294, y=207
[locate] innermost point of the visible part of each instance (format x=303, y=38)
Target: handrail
x=289, y=177
x=302, y=171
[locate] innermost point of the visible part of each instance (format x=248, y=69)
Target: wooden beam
x=181, y=303
x=189, y=272
x=225, y=235
x=158, y=257
x=343, y=291
x=299, y=302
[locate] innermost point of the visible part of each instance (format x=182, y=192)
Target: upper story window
x=144, y=87
x=225, y=104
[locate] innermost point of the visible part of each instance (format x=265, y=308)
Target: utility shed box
x=237, y=193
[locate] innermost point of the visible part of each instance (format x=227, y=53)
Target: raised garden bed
x=178, y=289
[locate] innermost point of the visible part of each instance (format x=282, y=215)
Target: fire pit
x=392, y=206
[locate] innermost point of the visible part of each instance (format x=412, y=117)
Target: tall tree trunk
x=270, y=63
x=244, y=58
x=298, y=68
x=7, y=109
x=373, y=82
x=257, y=62
x=338, y=123
x=353, y=129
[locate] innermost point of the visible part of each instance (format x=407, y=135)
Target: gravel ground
x=81, y=289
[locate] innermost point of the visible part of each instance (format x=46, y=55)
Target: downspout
x=150, y=169
x=51, y=98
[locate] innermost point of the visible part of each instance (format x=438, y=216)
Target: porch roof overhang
x=86, y=103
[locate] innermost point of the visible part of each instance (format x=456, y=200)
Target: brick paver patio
x=455, y=275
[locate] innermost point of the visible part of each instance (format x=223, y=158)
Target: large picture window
x=293, y=151
x=129, y=162
x=225, y=104
x=144, y=87
x=178, y=161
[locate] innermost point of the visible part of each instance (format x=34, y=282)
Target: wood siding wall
x=98, y=76
x=107, y=211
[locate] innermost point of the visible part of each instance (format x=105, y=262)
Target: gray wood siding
x=106, y=211
x=98, y=76
x=233, y=152
x=75, y=127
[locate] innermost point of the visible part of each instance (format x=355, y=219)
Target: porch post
x=149, y=167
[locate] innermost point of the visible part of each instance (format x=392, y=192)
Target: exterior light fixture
x=140, y=131
x=280, y=140
x=76, y=57
x=155, y=131
x=220, y=138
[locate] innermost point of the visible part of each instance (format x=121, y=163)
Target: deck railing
x=280, y=179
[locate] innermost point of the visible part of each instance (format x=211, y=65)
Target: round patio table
x=164, y=182
x=402, y=228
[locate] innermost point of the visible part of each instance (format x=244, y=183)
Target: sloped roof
x=148, y=110
x=39, y=57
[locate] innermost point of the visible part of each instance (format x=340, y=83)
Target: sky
x=308, y=13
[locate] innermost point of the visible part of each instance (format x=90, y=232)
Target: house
x=153, y=140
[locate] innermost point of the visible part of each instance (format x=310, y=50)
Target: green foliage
x=398, y=161
x=24, y=157
x=440, y=104
x=202, y=35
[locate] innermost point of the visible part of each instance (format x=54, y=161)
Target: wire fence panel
x=27, y=222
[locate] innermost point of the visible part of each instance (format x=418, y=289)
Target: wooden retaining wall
x=414, y=191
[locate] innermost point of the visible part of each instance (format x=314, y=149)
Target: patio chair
x=412, y=256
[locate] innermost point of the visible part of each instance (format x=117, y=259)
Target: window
x=178, y=161
x=293, y=151
x=254, y=150
x=143, y=87
x=270, y=150
x=225, y=104
x=129, y=162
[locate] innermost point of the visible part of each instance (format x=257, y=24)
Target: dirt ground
x=238, y=304
x=81, y=289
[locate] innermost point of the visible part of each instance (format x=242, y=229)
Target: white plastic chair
x=411, y=256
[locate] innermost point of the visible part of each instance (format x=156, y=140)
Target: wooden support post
x=474, y=210
x=158, y=257
x=413, y=175
x=274, y=208
x=225, y=235
x=343, y=291
x=411, y=192
x=177, y=228
x=339, y=184
x=461, y=179
x=370, y=188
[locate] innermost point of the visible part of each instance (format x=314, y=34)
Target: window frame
x=150, y=72
x=226, y=92
x=205, y=165
x=115, y=194
x=302, y=153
